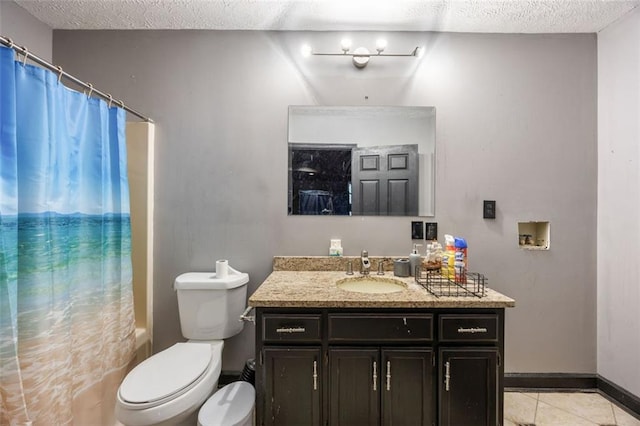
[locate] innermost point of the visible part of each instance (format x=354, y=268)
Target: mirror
x=362, y=160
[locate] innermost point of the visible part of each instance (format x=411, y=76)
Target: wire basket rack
x=464, y=284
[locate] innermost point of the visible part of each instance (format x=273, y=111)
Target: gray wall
x=619, y=202
x=516, y=123
x=25, y=30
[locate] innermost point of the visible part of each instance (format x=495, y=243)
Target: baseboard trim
x=553, y=381
x=559, y=382
x=621, y=396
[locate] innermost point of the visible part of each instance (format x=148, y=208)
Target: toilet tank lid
x=210, y=281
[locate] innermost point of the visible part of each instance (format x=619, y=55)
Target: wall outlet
x=417, y=230
x=489, y=209
x=432, y=231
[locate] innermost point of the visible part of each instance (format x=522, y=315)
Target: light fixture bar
x=360, y=56
x=414, y=52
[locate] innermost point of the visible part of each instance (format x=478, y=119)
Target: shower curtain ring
x=59, y=68
x=121, y=103
x=25, y=52
x=90, y=89
x=110, y=99
x=10, y=43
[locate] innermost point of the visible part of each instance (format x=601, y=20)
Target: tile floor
x=563, y=409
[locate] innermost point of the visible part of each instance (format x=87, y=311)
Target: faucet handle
x=381, y=267
x=350, y=267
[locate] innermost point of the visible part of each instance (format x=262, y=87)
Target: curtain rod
x=107, y=97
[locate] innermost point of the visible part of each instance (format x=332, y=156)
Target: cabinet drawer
x=469, y=328
x=380, y=327
x=291, y=328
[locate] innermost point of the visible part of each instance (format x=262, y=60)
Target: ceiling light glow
x=345, y=44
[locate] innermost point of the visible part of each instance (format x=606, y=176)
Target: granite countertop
x=310, y=282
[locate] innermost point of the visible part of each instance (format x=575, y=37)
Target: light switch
x=489, y=209
x=417, y=230
x=432, y=231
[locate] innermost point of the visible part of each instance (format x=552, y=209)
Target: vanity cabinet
x=385, y=384
x=468, y=380
x=354, y=386
x=372, y=386
x=293, y=393
x=468, y=370
x=385, y=367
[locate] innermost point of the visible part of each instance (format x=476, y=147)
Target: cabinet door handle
x=291, y=330
x=388, y=375
x=447, y=375
x=315, y=375
x=375, y=376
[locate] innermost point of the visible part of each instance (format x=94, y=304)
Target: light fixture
x=345, y=45
x=306, y=50
x=361, y=55
x=381, y=44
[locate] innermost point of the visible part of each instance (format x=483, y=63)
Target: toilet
x=170, y=387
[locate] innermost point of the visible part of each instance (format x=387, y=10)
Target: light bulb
x=381, y=44
x=306, y=50
x=345, y=44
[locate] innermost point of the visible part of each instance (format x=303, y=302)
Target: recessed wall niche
x=534, y=235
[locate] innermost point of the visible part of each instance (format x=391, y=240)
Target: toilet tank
x=210, y=307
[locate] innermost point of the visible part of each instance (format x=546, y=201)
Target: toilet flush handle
x=246, y=317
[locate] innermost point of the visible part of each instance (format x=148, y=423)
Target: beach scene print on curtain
x=67, y=330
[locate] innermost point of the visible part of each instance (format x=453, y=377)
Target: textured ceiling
x=507, y=16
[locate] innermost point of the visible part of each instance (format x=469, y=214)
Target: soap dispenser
x=414, y=259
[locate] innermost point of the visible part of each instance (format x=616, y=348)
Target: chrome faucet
x=365, y=264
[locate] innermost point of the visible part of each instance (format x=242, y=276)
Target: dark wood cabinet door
x=293, y=386
x=468, y=380
x=354, y=387
x=408, y=393
x=385, y=180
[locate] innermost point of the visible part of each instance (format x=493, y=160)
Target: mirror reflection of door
x=344, y=179
x=385, y=180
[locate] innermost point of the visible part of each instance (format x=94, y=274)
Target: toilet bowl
x=170, y=387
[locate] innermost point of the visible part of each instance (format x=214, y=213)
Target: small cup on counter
x=401, y=267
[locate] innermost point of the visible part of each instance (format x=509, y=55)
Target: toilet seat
x=177, y=405
x=166, y=375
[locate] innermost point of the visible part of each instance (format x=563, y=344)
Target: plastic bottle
x=428, y=255
x=460, y=262
x=433, y=256
x=414, y=259
x=437, y=254
x=448, y=257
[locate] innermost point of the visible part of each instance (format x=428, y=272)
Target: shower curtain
x=67, y=329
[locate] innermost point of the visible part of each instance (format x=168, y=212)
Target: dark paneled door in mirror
x=385, y=180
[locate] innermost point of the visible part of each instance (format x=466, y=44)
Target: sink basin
x=371, y=284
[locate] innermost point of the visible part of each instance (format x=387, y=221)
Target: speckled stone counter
x=310, y=282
